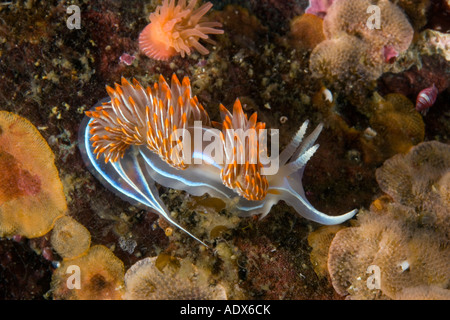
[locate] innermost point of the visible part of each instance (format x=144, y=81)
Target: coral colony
x=358, y=76
x=352, y=47
x=395, y=239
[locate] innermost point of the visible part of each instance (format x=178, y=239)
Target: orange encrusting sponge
x=31, y=192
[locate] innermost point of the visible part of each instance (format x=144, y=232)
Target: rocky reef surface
x=279, y=62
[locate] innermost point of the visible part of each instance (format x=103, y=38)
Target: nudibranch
x=141, y=136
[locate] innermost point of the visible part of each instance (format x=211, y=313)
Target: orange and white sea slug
x=163, y=134
x=177, y=29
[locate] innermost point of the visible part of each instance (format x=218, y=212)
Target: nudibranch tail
x=137, y=130
x=286, y=185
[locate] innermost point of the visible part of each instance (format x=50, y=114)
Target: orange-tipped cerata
x=145, y=116
x=242, y=171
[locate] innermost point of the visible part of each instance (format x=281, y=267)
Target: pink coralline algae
x=389, y=54
x=319, y=7
x=127, y=59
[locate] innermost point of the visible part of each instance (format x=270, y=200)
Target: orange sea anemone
x=176, y=29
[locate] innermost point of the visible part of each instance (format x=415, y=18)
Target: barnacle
x=70, y=239
x=100, y=274
x=144, y=281
x=31, y=193
x=176, y=29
